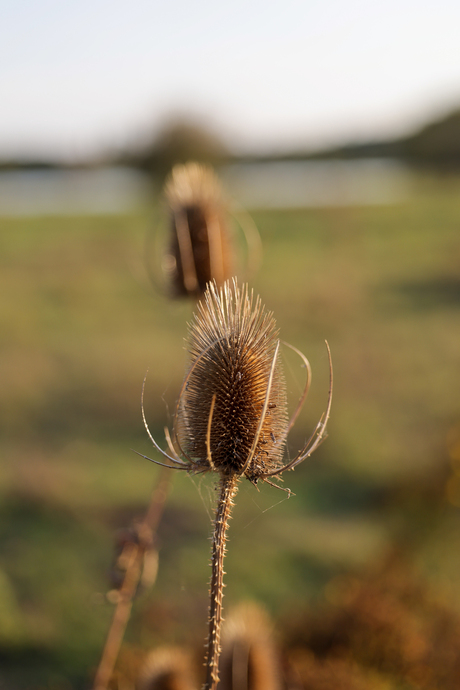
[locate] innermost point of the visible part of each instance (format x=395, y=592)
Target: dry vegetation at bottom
x=380, y=630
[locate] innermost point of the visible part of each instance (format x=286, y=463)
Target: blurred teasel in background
x=167, y=668
x=200, y=248
x=250, y=658
x=202, y=238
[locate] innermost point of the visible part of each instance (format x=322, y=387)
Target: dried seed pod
x=250, y=657
x=231, y=412
x=238, y=375
x=167, y=668
x=200, y=246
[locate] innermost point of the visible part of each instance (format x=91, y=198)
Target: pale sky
x=82, y=76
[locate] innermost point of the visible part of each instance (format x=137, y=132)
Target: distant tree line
x=436, y=145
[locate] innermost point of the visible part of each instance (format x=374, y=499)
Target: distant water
x=319, y=183
x=255, y=185
x=68, y=192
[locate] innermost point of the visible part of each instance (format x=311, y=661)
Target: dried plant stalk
x=231, y=417
x=227, y=490
x=134, y=558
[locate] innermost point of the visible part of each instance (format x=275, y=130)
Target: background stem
x=133, y=574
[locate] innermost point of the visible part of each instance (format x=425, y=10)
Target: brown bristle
x=200, y=248
x=232, y=343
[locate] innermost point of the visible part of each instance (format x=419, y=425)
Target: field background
x=80, y=326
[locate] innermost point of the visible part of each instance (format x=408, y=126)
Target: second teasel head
x=200, y=247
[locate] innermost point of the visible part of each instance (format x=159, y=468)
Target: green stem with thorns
x=227, y=490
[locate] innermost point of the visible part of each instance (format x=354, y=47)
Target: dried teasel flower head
x=234, y=362
x=231, y=416
x=167, y=668
x=250, y=656
x=200, y=248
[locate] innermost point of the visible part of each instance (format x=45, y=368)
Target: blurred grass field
x=80, y=326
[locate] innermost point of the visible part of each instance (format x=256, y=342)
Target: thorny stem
x=228, y=488
x=135, y=557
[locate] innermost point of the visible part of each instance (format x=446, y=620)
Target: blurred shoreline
x=278, y=184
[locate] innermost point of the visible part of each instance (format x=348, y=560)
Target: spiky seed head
x=200, y=246
x=250, y=657
x=192, y=183
x=167, y=668
x=232, y=345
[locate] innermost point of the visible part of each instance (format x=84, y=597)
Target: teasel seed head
x=235, y=372
x=250, y=656
x=200, y=248
x=167, y=668
x=231, y=413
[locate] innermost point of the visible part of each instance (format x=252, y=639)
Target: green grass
x=80, y=327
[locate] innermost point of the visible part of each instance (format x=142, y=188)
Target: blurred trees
x=437, y=143
x=178, y=142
